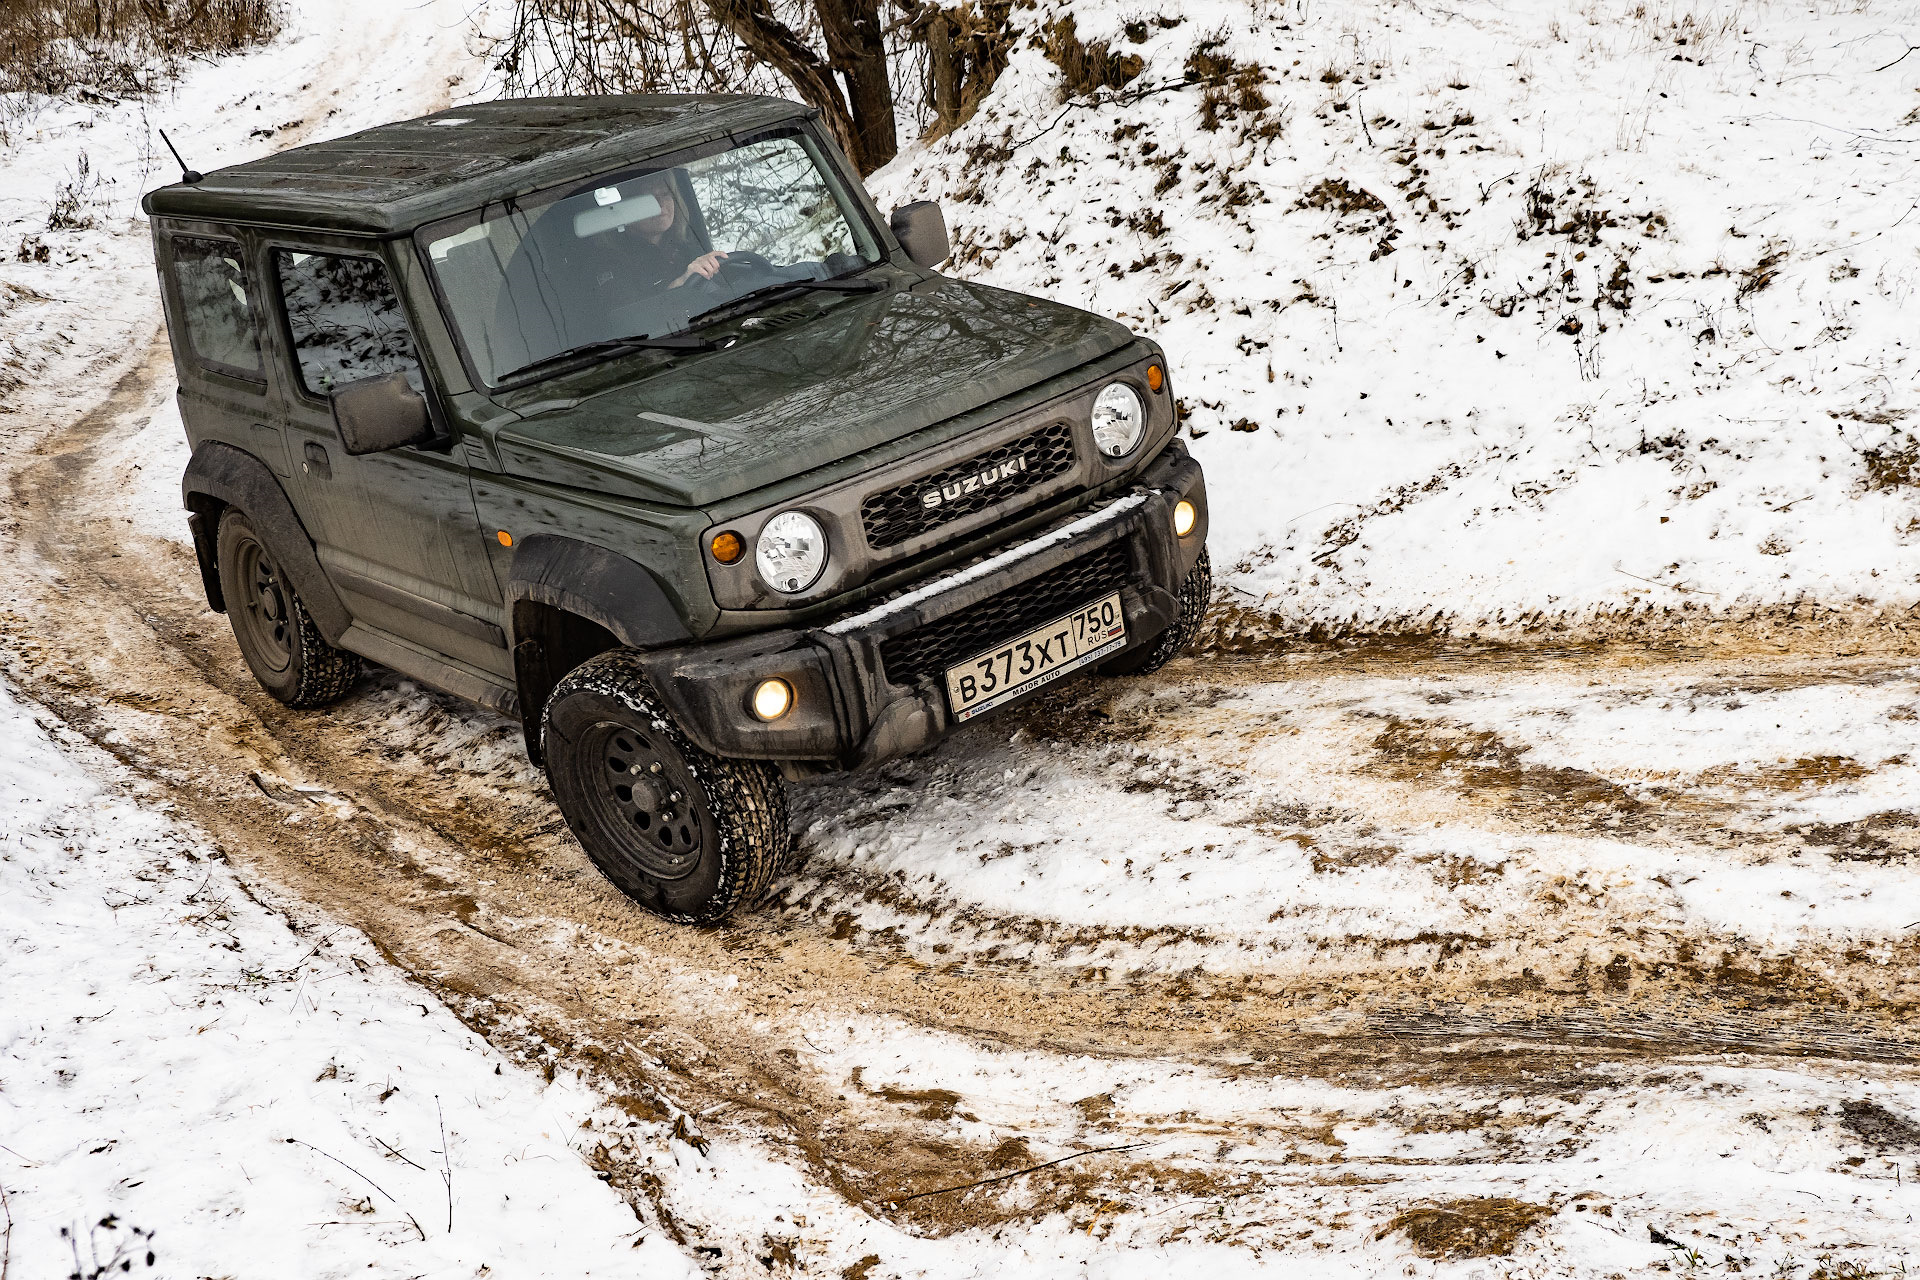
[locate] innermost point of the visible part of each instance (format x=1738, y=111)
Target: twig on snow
x=1864, y=134
x=315, y=950
x=1681, y=587
x=1486, y=192
x=1017, y=1173
x=446, y=1162
x=349, y=1168
x=398, y=1155
x=1122, y=98
x=1911, y=49
x=6, y=1236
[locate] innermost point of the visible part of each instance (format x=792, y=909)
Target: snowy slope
x=1486, y=314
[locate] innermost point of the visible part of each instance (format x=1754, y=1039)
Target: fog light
x=1183, y=517
x=727, y=547
x=772, y=698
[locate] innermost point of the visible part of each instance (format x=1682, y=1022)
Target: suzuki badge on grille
x=954, y=490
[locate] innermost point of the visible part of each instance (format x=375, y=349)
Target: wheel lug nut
x=654, y=768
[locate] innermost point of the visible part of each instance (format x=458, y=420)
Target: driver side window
x=345, y=319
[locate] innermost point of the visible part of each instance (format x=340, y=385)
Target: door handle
x=316, y=463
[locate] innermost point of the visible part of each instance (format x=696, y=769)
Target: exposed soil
x=413, y=817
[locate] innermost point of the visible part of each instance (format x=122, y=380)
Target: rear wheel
x=1195, y=593
x=687, y=835
x=283, y=649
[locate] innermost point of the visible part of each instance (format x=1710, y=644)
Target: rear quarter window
x=216, y=308
x=345, y=320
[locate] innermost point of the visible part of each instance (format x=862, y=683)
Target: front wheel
x=1196, y=591
x=687, y=835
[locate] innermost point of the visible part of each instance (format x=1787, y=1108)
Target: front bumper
x=870, y=686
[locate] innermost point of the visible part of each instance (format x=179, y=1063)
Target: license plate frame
x=996, y=675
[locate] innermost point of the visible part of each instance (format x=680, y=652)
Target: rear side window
x=345, y=320
x=215, y=310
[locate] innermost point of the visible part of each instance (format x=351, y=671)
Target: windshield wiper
x=641, y=342
x=834, y=284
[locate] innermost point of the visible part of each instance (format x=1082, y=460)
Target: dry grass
x=1229, y=88
x=1477, y=1228
x=119, y=47
x=1894, y=463
x=1086, y=68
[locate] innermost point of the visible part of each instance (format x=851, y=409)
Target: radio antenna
x=187, y=175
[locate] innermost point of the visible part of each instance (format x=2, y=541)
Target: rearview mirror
x=377, y=414
x=921, y=229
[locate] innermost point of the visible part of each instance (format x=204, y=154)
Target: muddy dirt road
x=1300, y=945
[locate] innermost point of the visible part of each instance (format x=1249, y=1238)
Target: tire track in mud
x=470, y=883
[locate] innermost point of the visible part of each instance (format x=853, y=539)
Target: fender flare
x=219, y=476
x=555, y=575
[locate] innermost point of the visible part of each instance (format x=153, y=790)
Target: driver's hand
x=706, y=266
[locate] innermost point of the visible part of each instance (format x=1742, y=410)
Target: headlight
x=792, y=551
x=1117, y=419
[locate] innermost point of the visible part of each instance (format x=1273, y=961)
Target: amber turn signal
x=1183, y=517
x=727, y=547
x=506, y=539
x=1156, y=377
x=772, y=698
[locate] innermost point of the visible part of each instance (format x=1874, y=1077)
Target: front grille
x=893, y=516
x=930, y=650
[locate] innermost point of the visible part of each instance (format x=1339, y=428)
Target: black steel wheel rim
x=643, y=798
x=266, y=607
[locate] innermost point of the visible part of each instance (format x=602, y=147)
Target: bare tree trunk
x=944, y=72
x=857, y=50
x=967, y=48
x=754, y=25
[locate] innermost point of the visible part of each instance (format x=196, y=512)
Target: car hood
x=798, y=394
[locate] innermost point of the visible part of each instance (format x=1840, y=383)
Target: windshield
x=641, y=252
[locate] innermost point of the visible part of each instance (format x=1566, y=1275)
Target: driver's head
x=660, y=187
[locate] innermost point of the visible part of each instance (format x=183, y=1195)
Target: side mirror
x=377, y=414
x=921, y=229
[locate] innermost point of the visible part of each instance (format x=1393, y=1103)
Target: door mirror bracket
x=378, y=414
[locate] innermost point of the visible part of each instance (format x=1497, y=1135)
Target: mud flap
x=206, y=549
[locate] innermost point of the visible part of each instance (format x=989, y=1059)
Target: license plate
x=1026, y=662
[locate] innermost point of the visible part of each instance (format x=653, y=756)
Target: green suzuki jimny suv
x=632, y=417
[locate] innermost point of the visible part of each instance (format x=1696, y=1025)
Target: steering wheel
x=739, y=271
x=739, y=258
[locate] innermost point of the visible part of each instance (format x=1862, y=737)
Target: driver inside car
x=662, y=250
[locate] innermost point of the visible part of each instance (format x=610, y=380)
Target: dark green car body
x=548, y=520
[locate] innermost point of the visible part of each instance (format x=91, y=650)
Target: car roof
x=391, y=179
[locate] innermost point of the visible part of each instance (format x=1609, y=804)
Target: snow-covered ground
x=1650, y=907
x=1490, y=316
x=235, y=1087
x=1552, y=818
